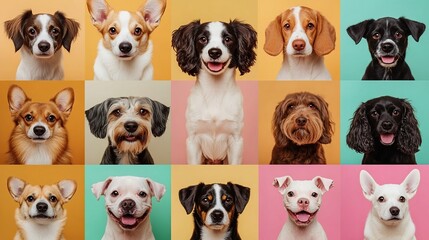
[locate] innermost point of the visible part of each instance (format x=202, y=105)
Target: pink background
x=355, y=207
x=272, y=214
x=179, y=97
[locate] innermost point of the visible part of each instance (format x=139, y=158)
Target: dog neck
x=113, y=156
x=33, y=68
x=201, y=232
x=209, y=234
x=30, y=230
x=388, y=155
x=299, y=154
x=216, y=84
x=143, y=231
x=302, y=68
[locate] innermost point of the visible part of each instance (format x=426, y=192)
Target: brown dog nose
x=303, y=202
x=298, y=44
x=301, y=121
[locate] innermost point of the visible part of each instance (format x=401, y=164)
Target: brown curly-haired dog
x=301, y=124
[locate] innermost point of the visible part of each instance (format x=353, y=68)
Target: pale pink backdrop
x=355, y=207
x=179, y=97
x=272, y=214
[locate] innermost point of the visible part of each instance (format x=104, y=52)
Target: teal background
x=355, y=58
x=95, y=213
x=353, y=93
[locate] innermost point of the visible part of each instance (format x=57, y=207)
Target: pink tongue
x=214, y=66
x=388, y=60
x=128, y=220
x=303, y=217
x=387, y=138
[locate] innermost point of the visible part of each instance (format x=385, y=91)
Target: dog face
x=302, y=118
x=299, y=31
x=384, y=121
x=214, y=47
x=41, y=203
x=390, y=201
x=302, y=199
x=124, y=33
x=387, y=37
x=215, y=205
x=42, y=34
x=128, y=199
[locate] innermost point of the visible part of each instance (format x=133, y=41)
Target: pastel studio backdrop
x=353, y=93
x=355, y=58
x=95, y=211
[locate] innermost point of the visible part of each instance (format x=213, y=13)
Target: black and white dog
x=129, y=123
x=214, y=115
x=216, y=208
x=387, y=41
x=40, y=38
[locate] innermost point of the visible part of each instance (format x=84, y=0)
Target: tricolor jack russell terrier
x=128, y=202
x=129, y=123
x=125, y=51
x=40, y=214
x=302, y=200
x=214, y=115
x=216, y=209
x=39, y=135
x=40, y=38
x=389, y=217
x=304, y=36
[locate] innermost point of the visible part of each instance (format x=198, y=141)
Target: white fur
x=40, y=155
x=36, y=231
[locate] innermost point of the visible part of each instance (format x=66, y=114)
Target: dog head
x=299, y=31
x=215, y=47
x=215, y=206
x=37, y=121
x=387, y=37
x=125, y=33
x=383, y=122
x=128, y=199
x=41, y=203
x=302, y=118
x=390, y=201
x=42, y=34
x=302, y=199
x=129, y=122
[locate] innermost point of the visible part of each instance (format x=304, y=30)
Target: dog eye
x=30, y=199
x=398, y=35
x=290, y=107
x=310, y=26
x=376, y=36
x=227, y=39
x=32, y=32
x=142, y=194
x=380, y=199
x=205, y=200
x=402, y=199
x=287, y=26
x=138, y=31
x=112, y=31
x=311, y=106
x=117, y=113
x=143, y=112
x=290, y=194
x=395, y=113
x=53, y=199
x=114, y=193
x=55, y=31
x=51, y=118
x=374, y=114
x=28, y=118
x=203, y=40
x=314, y=195
x=228, y=200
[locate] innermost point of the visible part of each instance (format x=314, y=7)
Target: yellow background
x=221, y=10
x=42, y=91
x=183, y=176
x=43, y=175
x=271, y=93
x=161, y=38
x=268, y=12
x=73, y=62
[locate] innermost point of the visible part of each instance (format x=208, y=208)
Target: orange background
x=271, y=93
x=73, y=62
x=43, y=175
x=42, y=91
x=268, y=12
x=161, y=38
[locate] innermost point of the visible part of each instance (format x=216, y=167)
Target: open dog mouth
x=129, y=221
x=214, y=66
x=42, y=216
x=387, y=139
x=131, y=138
x=302, y=217
x=388, y=60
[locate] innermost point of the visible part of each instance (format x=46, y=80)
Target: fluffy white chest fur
x=213, y=235
x=40, y=154
x=32, y=68
x=34, y=231
x=303, y=68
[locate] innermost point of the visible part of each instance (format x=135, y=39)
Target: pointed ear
x=281, y=183
x=70, y=29
x=16, y=187
x=157, y=189
x=416, y=29
x=159, y=118
x=99, y=10
x=411, y=183
x=67, y=188
x=187, y=197
x=97, y=117
x=14, y=30
x=324, y=42
x=274, y=42
x=152, y=12
x=358, y=31
x=368, y=184
x=17, y=98
x=64, y=100
x=99, y=188
x=324, y=184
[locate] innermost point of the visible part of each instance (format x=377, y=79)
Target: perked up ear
x=64, y=100
x=99, y=10
x=152, y=12
x=411, y=183
x=16, y=187
x=368, y=184
x=17, y=98
x=67, y=189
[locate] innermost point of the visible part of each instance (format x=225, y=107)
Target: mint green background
x=355, y=58
x=95, y=213
x=353, y=93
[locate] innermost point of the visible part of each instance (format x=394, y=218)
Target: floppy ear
x=278, y=117
x=97, y=117
x=247, y=38
x=99, y=10
x=183, y=42
x=324, y=42
x=358, y=31
x=360, y=137
x=242, y=196
x=409, y=138
x=411, y=182
x=187, y=196
x=368, y=184
x=416, y=29
x=327, y=124
x=159, y=118
x=157, y=189
x=16, y=187
x=14, y=26
x=17, y=98
x=64, y=100
x=324, y=184
x=70, y=29
x=281, y=183
x=67, y=188
x=99, y=188
x=274, y=41
x=152, y=12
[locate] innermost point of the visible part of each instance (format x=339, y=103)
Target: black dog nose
x=217, y=216
x=386, y=125
x=42, y=207
x=125, y=47
x=39, y=130
x=44, y=46
x=387, y=47
x=394, y=211
x=301, y=121
x=215, y=53
x=131, y=126
x=128, y=204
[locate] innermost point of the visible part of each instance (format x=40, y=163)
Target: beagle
x=304, y=36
